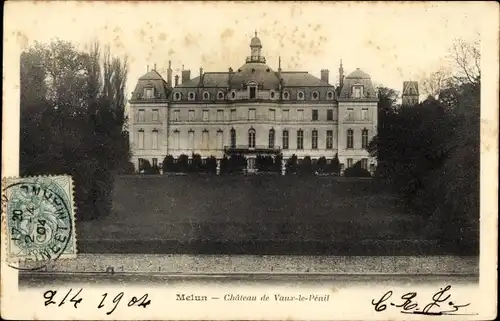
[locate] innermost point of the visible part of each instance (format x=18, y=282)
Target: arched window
x=271, y=138
x=314, y=141
x=177, y=96
x=140, y=139
x=315, y=95
x=300, y=95
x=251, y=138
x=206, y=95
x=300, y=139
x=285, y=139
x=233, y=138
x=220, y=95
x=364, y=138
x=286, y=95
x=154, y=139
x=272, y=94
x=350, y=138
x=233, y=95
x=329, y=95
x=191, y=96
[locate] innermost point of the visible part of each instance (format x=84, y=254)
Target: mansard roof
x=151, y=79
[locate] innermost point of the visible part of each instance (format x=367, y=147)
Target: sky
x=392, y=42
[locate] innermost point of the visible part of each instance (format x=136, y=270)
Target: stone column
x=283, y=167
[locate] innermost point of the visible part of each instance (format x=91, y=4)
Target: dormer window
x=357, y=91
x=329, y=95
x=220, y=95
x=177, y=96
x=315, y=95
x=300, y=95
x=149, y=93
x=252, y=90
x=191, y=96
x=233, y=95
x=286, y=95
x=272, y=94
x=206, y=95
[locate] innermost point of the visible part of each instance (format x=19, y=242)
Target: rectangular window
x=349, y=162
x=191, y=115
x=140, y=139
x=272, y=114
x=205, y=115
x=350, y=114
x=314, y=141
x=364, y=163
x=154, y=143
x=177, y=115
x=300, y=115
x=350, y=138
x=314, y=114
x=176, y=139
x=364, y=114
x=155, y=162
x=220, y=140
x=191, y=139
x=204, y=139
x=329, y=114
x=300, y=139
x=251, y=114
x=286, y=114
x=156, y=115
x=285, y=139
x=329, y=139
x=220, y=115
x=233, y=114
x=141, y=116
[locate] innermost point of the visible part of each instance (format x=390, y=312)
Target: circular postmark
x=39, y=221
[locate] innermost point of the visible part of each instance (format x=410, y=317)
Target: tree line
x=73, y=119
x=429, y=152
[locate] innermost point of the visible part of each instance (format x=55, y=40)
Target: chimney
x=325, y=75
x=176, y=80
x=169, y=74
x=186, y=75
x=341, y=75
x=154, y=67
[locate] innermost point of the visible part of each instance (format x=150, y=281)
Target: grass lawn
x=252, y=208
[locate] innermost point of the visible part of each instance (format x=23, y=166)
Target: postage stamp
x=39, y=213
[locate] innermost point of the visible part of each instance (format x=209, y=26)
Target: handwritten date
x=409, y=304
x=110, y=304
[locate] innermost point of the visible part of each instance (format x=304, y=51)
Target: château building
x=254, y=109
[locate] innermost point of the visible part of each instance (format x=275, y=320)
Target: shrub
x=291, y=164
x=335, y=165
x=182, y=164
x=196, y=165
x=356, y=171
x=168, y=164
x=210, y=165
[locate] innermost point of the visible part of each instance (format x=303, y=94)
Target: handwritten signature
x=409, y=304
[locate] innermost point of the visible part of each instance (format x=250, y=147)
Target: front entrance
x=251, y=164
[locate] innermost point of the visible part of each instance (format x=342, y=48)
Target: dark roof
x=358, y=77
x=302, y=79
x=410, y=88
x=155, y=80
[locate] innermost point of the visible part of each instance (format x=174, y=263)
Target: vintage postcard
x=249, y=160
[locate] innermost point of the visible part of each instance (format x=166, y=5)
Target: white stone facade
x=200, y=114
